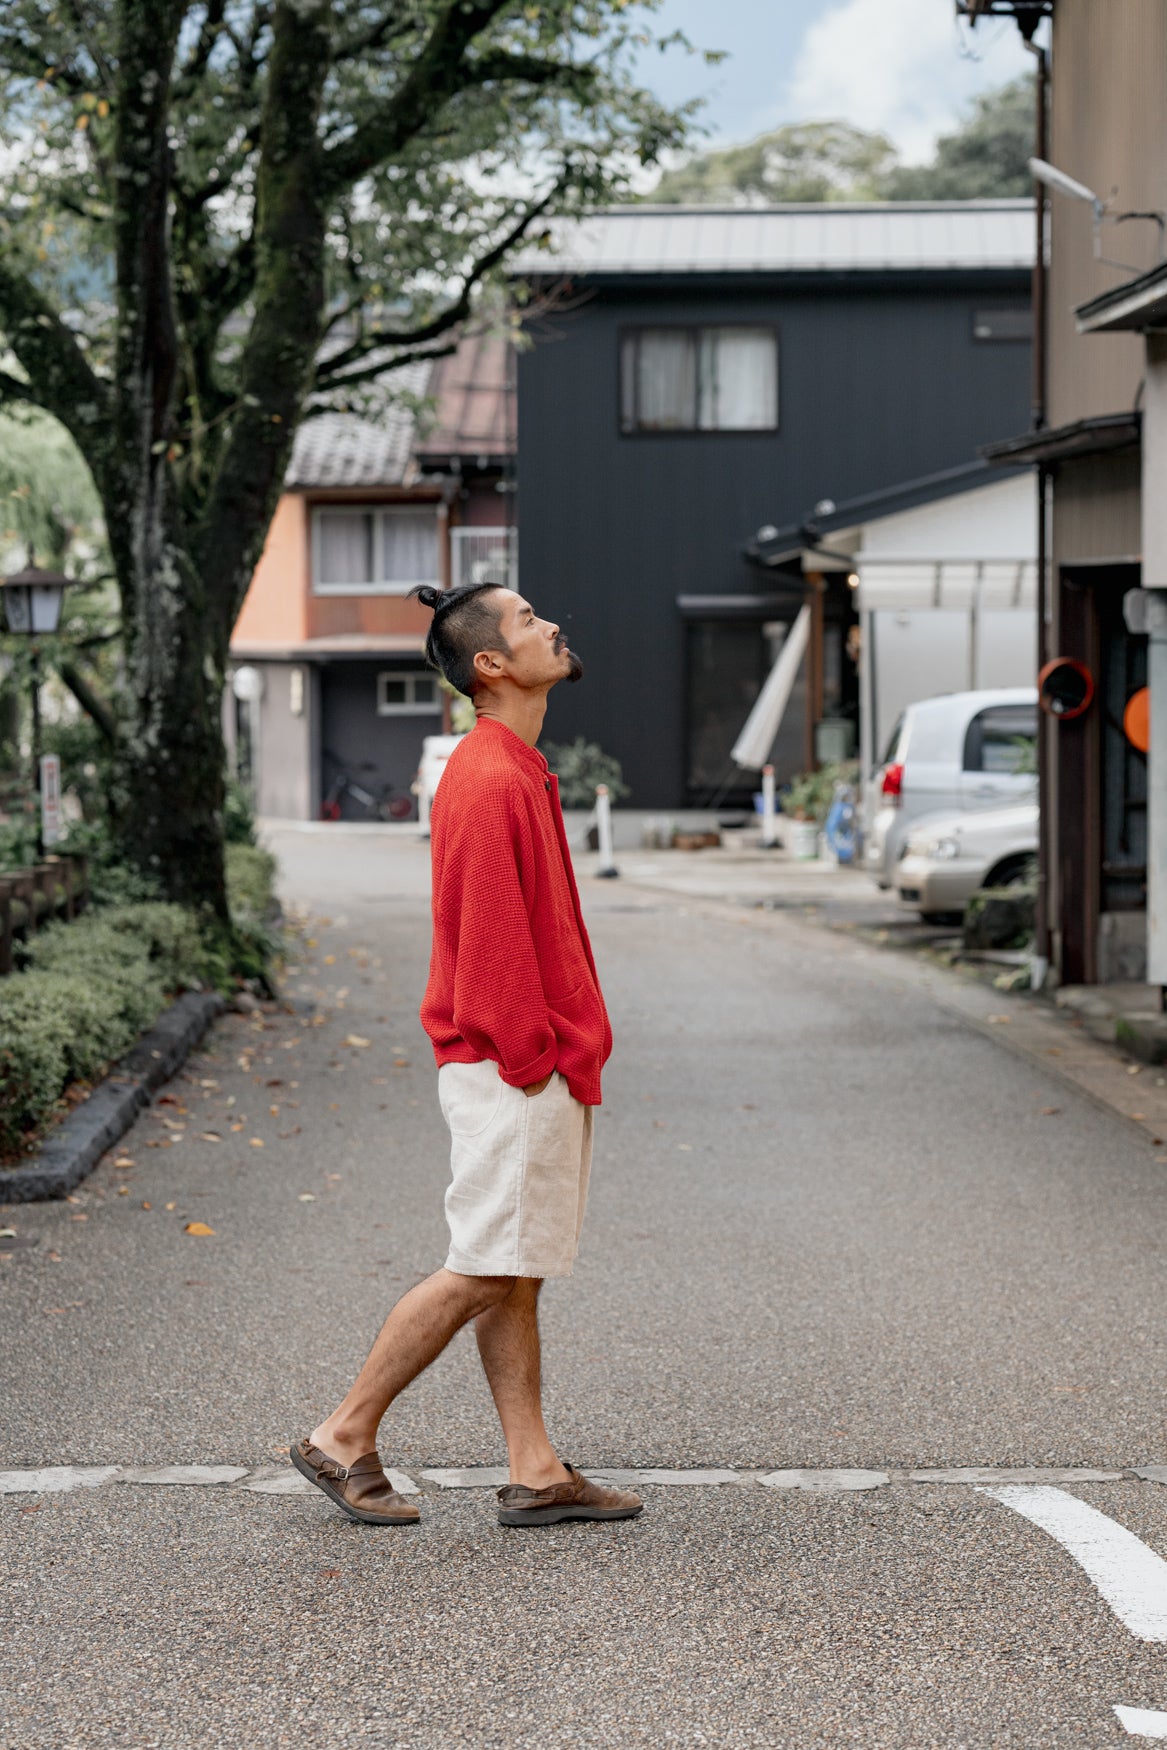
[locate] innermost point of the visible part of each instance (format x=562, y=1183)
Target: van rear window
x=1002, y=738
x=893, y=742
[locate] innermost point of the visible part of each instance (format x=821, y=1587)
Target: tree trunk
x=171, y=754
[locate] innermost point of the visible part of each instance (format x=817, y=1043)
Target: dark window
x=1003, y=322
x=1002, y=739
x=699, y=379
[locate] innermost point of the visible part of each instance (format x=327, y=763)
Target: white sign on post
x=51, y=825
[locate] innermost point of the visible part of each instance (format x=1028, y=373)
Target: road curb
x=73, y=1149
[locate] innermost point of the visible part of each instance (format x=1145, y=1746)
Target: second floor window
x=699, y=379
x=373, y=550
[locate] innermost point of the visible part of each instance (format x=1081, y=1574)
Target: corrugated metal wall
x=1108, y=130
x=1096, y=508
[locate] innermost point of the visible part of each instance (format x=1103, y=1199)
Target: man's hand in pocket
x=537, y=1087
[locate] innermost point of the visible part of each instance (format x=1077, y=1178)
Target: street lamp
x=32, y=609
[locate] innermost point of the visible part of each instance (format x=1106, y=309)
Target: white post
x=769, y=815
x=607, y=868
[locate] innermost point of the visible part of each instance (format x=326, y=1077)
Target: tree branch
x=380, y=370
x=438, y=73
x=59, y=376
x=89, y=701
x=328, y=370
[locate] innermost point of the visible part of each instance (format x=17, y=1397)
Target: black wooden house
x=698, y=377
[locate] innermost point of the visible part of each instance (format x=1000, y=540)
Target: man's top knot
x=428, y=596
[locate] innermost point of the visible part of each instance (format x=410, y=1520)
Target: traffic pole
x=769, y=813
x=607, y=869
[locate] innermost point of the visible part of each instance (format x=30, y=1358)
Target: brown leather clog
x=361, y=1489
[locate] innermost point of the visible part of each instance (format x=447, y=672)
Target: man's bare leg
x=414, y=1334
x=508, y=1342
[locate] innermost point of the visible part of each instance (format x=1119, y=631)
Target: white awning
x=752, y=747
x=946, y=583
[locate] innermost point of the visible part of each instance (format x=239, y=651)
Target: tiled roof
x=472, y=388
x=872, y=236
x=345, y=449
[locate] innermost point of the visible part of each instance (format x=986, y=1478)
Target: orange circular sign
x=1136, y=719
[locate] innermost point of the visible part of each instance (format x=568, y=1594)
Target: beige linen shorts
x=520, y=1168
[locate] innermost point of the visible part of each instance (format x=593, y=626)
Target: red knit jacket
x=512, y=977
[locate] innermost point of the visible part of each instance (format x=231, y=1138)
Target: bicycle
x=388, y=803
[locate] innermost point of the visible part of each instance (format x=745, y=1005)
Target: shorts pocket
x=470, y=1095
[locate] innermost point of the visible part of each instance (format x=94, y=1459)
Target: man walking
x=520, y=1033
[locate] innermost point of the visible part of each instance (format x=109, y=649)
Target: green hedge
x=89, y=989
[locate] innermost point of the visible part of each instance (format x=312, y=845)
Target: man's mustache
x=575, y=671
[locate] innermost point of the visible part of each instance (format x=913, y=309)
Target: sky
x=905, y=67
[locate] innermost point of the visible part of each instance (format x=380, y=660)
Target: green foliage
x=986, y=156
x=89, y=989
x=809, y=795
x=251, y=876
x=238, y=813
x=47, y=496
x=580, y=765
x=804, y=161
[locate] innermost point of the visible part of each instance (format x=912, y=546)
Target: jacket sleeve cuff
x=531, y=1072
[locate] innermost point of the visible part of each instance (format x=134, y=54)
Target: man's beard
x=575, y=670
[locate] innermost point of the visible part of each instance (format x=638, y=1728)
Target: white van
x=960, y=751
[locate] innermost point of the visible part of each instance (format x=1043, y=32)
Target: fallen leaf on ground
x=9, y=1233
x=172, y=1206
x=124, y=1161
x=256, y=1141
x=330, y=960
x=400, y=1063
x=355, y=1040
x=306, y=1197
x=209, y=1136
x=998, y=1020
x=1050, y=1111
x=147, y=1205
x=1138, y=1116
x=123, y=1190
x=199, y=1230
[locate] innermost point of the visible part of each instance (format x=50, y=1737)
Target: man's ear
x=488, y=664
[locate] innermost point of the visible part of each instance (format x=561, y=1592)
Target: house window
x=407, y=695
x=366, y=550
x=699, y=379
x=1003, y=322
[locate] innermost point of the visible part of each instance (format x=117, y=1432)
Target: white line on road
x=1131, y=1577
x=1142, y=1722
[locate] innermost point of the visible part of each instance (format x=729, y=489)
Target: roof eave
x=1100, y=435
x=1135, y=307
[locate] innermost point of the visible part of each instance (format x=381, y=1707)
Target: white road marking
x=1131, y=1577
x=189, y=1475
x=1142, y=1722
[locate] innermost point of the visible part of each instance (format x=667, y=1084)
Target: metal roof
x=1137, y=306
x=786, y=545
x=832, y=236
x=347, y=449
x=474, y=402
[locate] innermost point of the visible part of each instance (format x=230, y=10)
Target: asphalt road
x=830, y=1226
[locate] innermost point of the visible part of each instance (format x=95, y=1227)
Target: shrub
x=580, y=765
x=90, y=988
x=251, y=875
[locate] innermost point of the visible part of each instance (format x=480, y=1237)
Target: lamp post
x=32, y=609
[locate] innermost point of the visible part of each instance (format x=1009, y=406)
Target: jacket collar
x=523, y=755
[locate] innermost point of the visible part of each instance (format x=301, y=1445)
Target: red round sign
x=1065, y=688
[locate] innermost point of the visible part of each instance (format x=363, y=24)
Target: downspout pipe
x=1040, y=413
